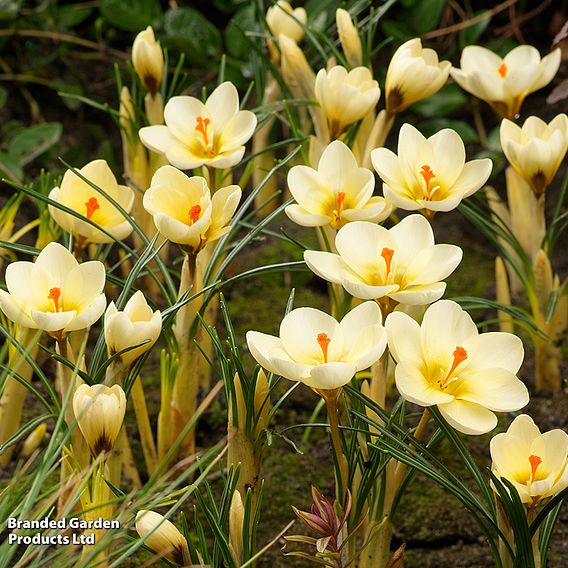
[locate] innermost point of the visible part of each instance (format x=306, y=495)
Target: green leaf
x=9, y=165
x=31, y=142
x=446, y=101
x=466, y=132
x=132, y=16
x=400, y=31
x=9, y=9
x=427, y=15
x=470, y=35
x=191, y=32
x=71, y=16
x=236, y=42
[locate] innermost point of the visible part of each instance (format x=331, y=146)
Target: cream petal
x=226, y=159
x=510, y=456
x=291, y=370
x=57, y=261
x=473, y=176
x=548, y=67
x=359, y=335
x=442, y=205
x=387, y=165
x=238, y=130
x=376, y=210
x=358, y=289
x=337, y=163
x=20, y=280
x=468, y=417
x=524, y=428
x=88, y=316
x=304, y=218
x=522, y=56
x=261, y=345
x=412, y=234
x=182, y=157
x=326, y=265
x=83, y=284
x=368, y=348
x=475, y=57
x=433, y=264
x=14, y=311
x=224, y=203
x=419, y=295
x=401, y=200
x=308, y=190
x=410, y=145
x=496, y=350
x=330, y=375
x=448, y=155
x=404, y=338
x=555, y=450
x=51, y=321
x=415, y=388
x=180, y=114
x=223, y=105
x=158, y=138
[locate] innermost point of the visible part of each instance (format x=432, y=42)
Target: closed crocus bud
x=135, y=324
x=236, y=525
x=33, y=441
x=55, y=293
x=345, y=97
x=504, y=83
x=349, y=38
x=148, y=59
x=401, y=263
x=536, y=464
x=184, y=211
x=99, y=411
x=337, y=192
x=414, y=74
x=78, y=195
x=282, y=19
x=213, y=133
x=429, y=173
x=319, y=351
x=537, y=149
x=162, y=536
x=446, y=362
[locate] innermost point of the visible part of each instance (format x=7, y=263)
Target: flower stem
x=144, y=427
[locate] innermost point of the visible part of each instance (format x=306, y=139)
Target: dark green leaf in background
x=31, y=142
x=133, y=15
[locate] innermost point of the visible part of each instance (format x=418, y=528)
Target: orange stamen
x=460, y=355
x=55, y=294
x=427, y=173
x=201, y=126
x=340, y=200
x=323, y=341
x=92, y=205
x=194, y=213
x=387, y=254
x=502, y=70
x=535, y=462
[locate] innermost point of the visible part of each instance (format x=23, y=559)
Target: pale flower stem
x=505, y=527
x=212, y=175
x=479, y=125
x=144, y=427
x=330, y=398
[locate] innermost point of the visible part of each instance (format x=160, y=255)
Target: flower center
x=340, y=201
x=92, y=205
x=502, y=70
x=535, y=462
x=387, y=254
x=201, y=125
x=460, y=355
x=427, y=173
x=55, y=294
x=323, y=341
x=194, y=214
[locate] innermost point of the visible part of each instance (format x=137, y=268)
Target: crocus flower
x=429, y=173
x=78, y=195
x=282, y=19
x=99, y=411
x=135, y=324
x=536, y=464
x=55, y=293
x=349, y=37
x=315, y=349
x=184, y=211
x=414, y=73
x=537, y=149
x=345, y=97
x=402, y=263
x=162, y=536
x=504, y=83
x=337, y=192
x=197, y=134
x=148, y=59
x=446, y=362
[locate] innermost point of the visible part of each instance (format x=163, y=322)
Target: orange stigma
x=387, y=254
x=502, y=70
x=340, y=200
x=460, y=355
x=92, y=205
x=194, y=213
x=201, y=126
x=323, y=341
x=55, y=294
x=535, y=462
x=427, y=173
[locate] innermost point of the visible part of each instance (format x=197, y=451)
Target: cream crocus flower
x=504, y=83
x=337, y=192
x=414, y=73
x=429, y=173
x=55, y=293
x=446, y=362
x=99, y=411
x=345, y=97
x=282, y=19
x=195, y=134
x=184, y=211
x=148, y=59
x=162, y=536
x=349, y=38
x=537, y=149
x=134, y=325
x=536, y=464
x=78, y=195
x=315, y=349
x=402, y=263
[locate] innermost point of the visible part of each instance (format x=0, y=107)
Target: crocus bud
x=236, y=525
x=148, y=59
x=33, y=441
x=349, y=38
x=281, y=19
x=414, y=74
x=99, y=411
x=134, y=325
x=162, y=536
